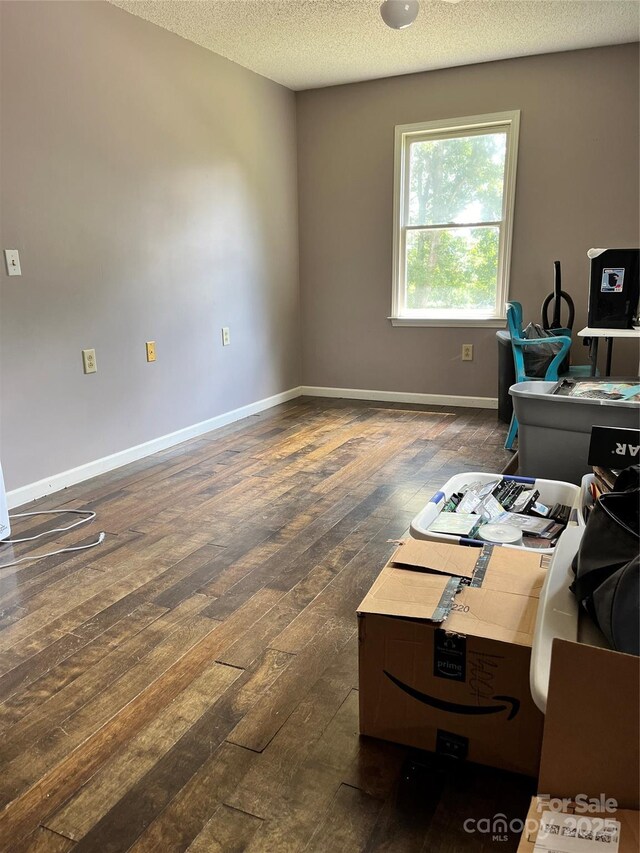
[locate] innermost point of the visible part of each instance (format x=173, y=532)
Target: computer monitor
x=613, y=288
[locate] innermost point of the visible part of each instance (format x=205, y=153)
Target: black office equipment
x=614, y=447
x=556, y=298
x=613, y=288
x=607, y=565
x=506, y=376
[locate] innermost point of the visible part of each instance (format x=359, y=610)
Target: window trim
x=470, y=125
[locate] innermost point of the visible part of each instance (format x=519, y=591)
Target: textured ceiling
x=309, y=43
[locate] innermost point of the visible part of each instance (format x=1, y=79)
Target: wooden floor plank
x=126, y=821
x=273, y=773
x=292, y=823
x=228, y=831
x=44, y=841
x=136, y=686
x=404, y=821
x=92, y=683
x=30, y=685
x=341, y=596
x=133, y=565
x=134, y=759
x=186, y=815
x=257, y=728
x=348, y=822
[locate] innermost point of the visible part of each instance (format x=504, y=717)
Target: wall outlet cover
x=89, y=363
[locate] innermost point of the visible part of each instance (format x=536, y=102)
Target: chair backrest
x=518, y=342
x=514, y=324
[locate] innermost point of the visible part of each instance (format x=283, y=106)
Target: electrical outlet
x=226, y=336
x=467, y=352
x=89, y=361
x=151, y=350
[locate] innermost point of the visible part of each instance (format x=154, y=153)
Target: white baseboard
x=56, y=482
x=401, y=397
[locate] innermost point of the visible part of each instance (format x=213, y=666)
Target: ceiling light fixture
x=399, y=14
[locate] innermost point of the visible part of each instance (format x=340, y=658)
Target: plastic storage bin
x=585, y=495
x=554, y=431
x=551, y=492
x=559, y=616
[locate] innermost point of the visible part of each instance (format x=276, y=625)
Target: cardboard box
x=597, y=830
x=590, y=752
x=445, y=666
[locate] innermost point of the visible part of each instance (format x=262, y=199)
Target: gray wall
x=150, y=187
x=577, y=187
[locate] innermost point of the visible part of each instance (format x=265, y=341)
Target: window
x=453, y=214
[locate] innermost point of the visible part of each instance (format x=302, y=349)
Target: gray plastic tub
x=554, y=431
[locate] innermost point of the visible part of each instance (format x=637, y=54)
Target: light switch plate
x=226, y=336
x=151, y=350
x=12, y=260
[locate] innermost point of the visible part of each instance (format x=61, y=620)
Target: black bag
x=538, y=358
x=607, y=566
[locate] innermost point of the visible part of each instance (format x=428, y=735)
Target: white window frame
x=447, y=128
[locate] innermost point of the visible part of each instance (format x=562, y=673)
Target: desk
x=609, y=335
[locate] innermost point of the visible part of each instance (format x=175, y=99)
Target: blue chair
x=518, y=343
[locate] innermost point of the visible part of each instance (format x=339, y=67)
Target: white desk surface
x=609, y=333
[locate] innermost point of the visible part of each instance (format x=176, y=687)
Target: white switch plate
x=12, y=260
x=226, y=336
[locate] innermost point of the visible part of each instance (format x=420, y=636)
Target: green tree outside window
x=458, y=183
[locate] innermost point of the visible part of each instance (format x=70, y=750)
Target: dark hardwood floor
x=192, y=682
